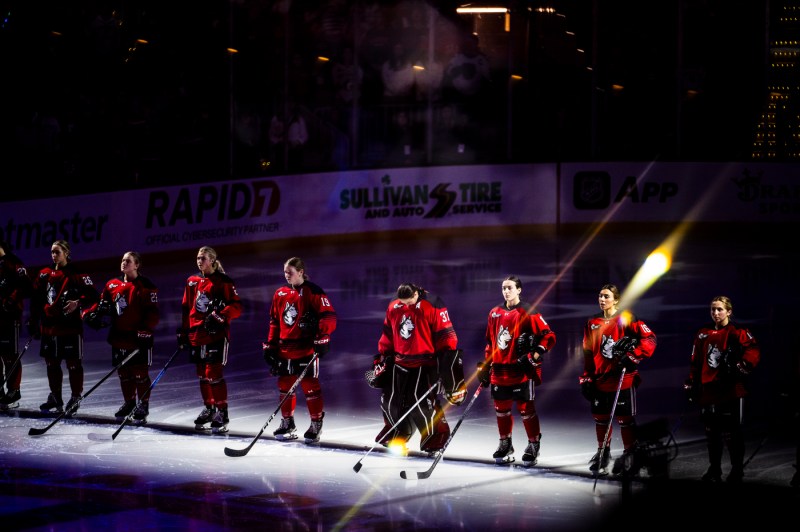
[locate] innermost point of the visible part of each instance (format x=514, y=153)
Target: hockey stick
x=755, y=452
x=37, y=432
x=14, y=365
x=242, y=452
x=608, y=430
x=358, y=465
x=147, y=394
x=440, y=452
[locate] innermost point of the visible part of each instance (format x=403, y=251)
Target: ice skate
x=287, y=430
x=52, y=403
x=125, y=409
x=141, y=413
x=597, y=465
x=735, y=476
x=10, y=400
x=73, y=404
x=219, y=421
x=505, y=452
x=314, y=430
x=713, y=474
x=531, y=455
x=205, y=417
x=627, y=464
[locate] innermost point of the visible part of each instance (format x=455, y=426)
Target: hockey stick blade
x=440, y=453
x=69, y=411
x=427, y=473
x=242, y=452
x=129, y=417
x=358, y=465
x=239, y=452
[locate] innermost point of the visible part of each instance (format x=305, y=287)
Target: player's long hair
x=298, y=264
x=212, y=254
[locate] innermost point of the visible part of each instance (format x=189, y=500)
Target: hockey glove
x=622, y=351
x=322, y=345
x=214, y=323
x=144, y=339
x=744, y=367
x=99, y=317
x=485, y=373
x=692, y=392
x=732, y=356
x=271, y=356
x=522, y=346
x=450, y=364
x=587, y=387
x=8, y=306
x=380, y=374
x=457, y=397
x=527, y=363
x=308, y=323
x=182, y=335
x=630, y=362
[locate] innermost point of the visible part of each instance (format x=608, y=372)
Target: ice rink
x=167, y=476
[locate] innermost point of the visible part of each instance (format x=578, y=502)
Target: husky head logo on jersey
x=120, y=304
x=503, y=338
x=606, y=345
x=289, y=314
x=406, y=327
x=202, y=301
x=714, y=357
x=51, y=294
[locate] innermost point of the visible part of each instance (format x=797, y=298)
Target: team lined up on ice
x=418, y=355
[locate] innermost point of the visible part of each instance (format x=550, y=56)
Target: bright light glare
x=656, y=264
x=398, y=447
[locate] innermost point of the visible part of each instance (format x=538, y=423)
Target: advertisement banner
x=269, y=208
x=680, y=192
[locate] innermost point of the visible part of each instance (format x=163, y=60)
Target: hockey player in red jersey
x=723, y=355
x=418, y=346
x=129, y=307
x=301, y=321
x=517, y=338
x=210, y=303
x=15, y=287
x=62, y=295
x=612, y=340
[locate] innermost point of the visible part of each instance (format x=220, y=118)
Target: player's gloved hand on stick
x=144, y=339
x=381, y=373
x=744, y=367
x=691, y=391
x=485, y=373
x=322, y=345
x=630, y=362
x=182, y=336
x=457, y=397
x=587, y=387
x=271, y=356
x=214, y=322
